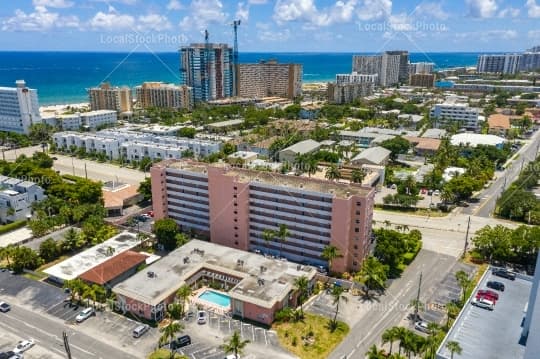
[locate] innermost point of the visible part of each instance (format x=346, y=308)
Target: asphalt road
x=48, y=333
x=490, y=195
x=390, y=309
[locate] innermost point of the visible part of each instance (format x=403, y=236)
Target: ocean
x=63, y=77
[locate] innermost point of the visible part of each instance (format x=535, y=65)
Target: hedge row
x=12, y=226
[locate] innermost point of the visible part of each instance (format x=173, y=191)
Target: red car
x=487, y=294
x=150, y=213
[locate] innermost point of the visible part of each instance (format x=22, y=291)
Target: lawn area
x=165, y=354
x=317, y=346
x=35, y=276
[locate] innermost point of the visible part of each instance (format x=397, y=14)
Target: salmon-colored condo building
x=233, y=207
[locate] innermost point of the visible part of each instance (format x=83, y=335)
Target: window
x=358, y=203
x=234, y=195
x=355, y=246
x=235, y=228
x=357, y=213
x=357, y=221
x=235, y=212
x=236, y=219
x=235, y=188
x=356, y=230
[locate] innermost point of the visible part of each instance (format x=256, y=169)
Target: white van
x=140, y=330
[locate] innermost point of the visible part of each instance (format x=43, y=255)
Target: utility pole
x=417, y=298
x=467, y=237
x=66, y=344
x=85, y=171
x=73, y=165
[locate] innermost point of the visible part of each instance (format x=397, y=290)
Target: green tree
x=145, y=189
x=165, y=230
x=373, y=274
x=188, y=132
x=397, y=145
x=282, y=234
x=464, y=283
x=453, y=347
x=302, y=285
x=6, y=253
x=332, y=173
x=168, y=333
x=337, y=297
x=376, y=353
x=183, y=294
x=145, y=163
x=76, y=288
x=175, y=311
x=390, y=335
x=358, y=175
x=25, y=258
x=229, y=148
x=268, y=235
x=48, y=250
x=329, y=253
x=235, y=344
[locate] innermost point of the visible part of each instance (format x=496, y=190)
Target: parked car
x=10, y=355
x=23, y=346
x=430, y=192
x=85, y=314
x=150, y=213
x=201, y=317
x=140, y=330
x=495, y=285
x=436, y=192
x=4, y=307
x=180, y=342
x=483, y=303
x=504, y=273
x=421, y=326
x=488, y=294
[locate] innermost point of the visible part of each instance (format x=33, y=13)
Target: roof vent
x=150, y=274
x=263, y=269
x=240, y=263
x=186, y=260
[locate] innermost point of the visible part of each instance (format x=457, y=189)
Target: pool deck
x=196, y=301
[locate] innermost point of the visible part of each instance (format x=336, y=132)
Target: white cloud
x=374, y=10
x=174, y=5
x=306, y=11
x=509, y=12
x=53, y=3
x=112, y=21
x=482, y=8
x=488, y=36
x=125, y=2
x=534, y=34
x=533, y=10
x=431, y=10
x=257, y=2
x=39, y=20
x=204, y=12
x=273, y=35
x=400, y=22
x=153, y=22
x=242, y=12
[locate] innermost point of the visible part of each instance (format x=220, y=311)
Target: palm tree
x=268, y=235
x=302, y=283
x=387, y=223
x=300, y=162
x=390, y=335
x=183, y=294
x=332, y=173
x=311, y=165
x=452, y=310
x=168, y=333
x=454, y=347
x=89, y=293
x=405, y=228
x=6, y=253
x=174, y=311
x=234, y=344
x=401, y=334
x=375, y=353
x=330, y=253
x=372, y=274
x=282, y=234
x=358, y=175
x=464, y=282
x=433, y=330
x=337, y=296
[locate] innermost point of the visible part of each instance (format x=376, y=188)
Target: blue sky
x=266, y=25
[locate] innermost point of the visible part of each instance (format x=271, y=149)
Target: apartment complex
x=159, y=94
x=455, y=112
x=134, y=146
x=348, y=92
x=422, y=80
x=16, y=198
x=208, y=70
x=530, y=60
x=392, y=67
x=356, y=78
x=86, y=120
x=504, y=64
x=19, y=108
x=234, y=206
x=105, y=97
x=421, y=68
x=269, y=78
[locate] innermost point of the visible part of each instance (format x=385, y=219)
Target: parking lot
x=8, y=340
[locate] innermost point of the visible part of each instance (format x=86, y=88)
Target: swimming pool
x=217, y=298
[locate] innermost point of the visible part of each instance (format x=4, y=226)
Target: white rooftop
x=72, y=267
x=475, y=139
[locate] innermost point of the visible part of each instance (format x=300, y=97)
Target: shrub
x=12, y=226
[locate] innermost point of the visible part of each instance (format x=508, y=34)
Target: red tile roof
x=113, y=267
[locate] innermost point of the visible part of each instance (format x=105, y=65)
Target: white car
x=232, y=356
x=421, y=326
x=436, y=192
x=483, y=303
x=201, y=317
x=23, y=346
x=85, y=314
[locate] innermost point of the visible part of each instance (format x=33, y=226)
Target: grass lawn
x=50, y=264
x=165, y=354
x=420, y=212
x=37, y=276
x=319, y=345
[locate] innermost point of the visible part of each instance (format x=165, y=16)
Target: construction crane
x=206, y=72
x=235, y=25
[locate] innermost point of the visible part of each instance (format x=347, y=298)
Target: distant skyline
x=279, y=26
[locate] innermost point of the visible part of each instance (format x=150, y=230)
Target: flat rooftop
x=484, y=334
x=175, y=269
x=301, y=183
x=74, y=266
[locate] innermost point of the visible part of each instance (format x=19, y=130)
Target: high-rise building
x=356, y=78
x=208, y=69
x=19, y=108
x=105, y=97
x=159, y=94
x=235, y=206
x=421, y=68
x=390, y=69
x=367, y=64
x=530, y=60
x=422, y=80
x=269, y=78
x=403, y=71
x=348, y=92
x=504, y=64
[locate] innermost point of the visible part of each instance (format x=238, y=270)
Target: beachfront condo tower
x=19, y=108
